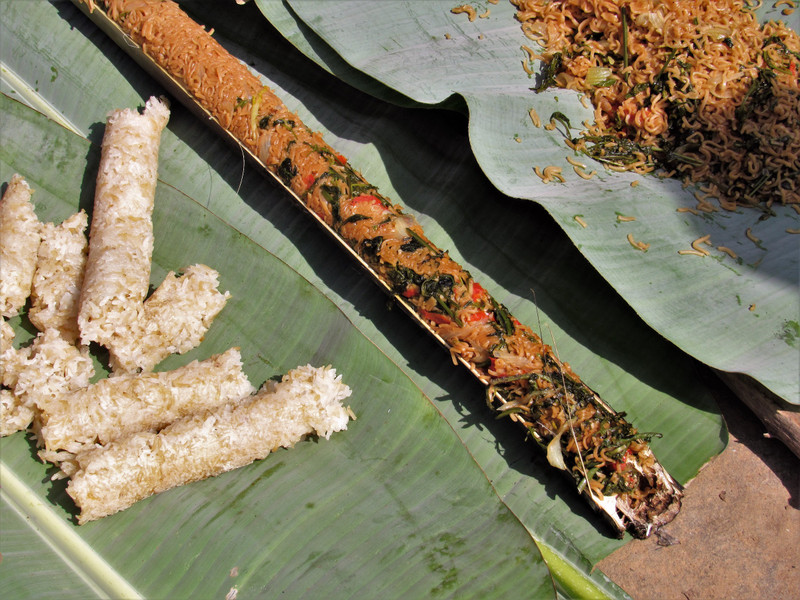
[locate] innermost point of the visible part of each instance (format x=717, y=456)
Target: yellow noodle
x=467, y=9
x=528, y=69
x=701, y=240
x=575, y=163
x=552, y=172
x=583, y=174
x=638, y=245
x=687, y=209
x=535, y=118
x=532, y=55
x=706, y=207
x=708, y=58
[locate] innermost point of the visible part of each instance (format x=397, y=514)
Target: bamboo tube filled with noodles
x=20, y=235
x=307, y=401
x=134, y=402
x=117, y=276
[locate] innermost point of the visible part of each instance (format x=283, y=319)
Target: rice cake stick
x=49, y=367
x=182, y=308
x=117, y=276
x=129, y=403
x=13, y=415
x=175, y=317
x=20, y=235
x=607, y=459
x=8, y=355
x=111, y=478
x=59, y=276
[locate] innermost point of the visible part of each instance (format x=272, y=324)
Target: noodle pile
x=698, y=89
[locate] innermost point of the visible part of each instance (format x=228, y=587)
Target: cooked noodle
x=698, y=89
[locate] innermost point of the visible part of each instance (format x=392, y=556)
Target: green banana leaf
x=426, y=495
x=387, y=507
x=705, y=306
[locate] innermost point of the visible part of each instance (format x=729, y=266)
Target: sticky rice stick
x=13, y=416
x=20, y=232
x=117, y=274
x=129, y=403
x=59, y=276
x=49, y=367
x=176, y=316
x=7, y=355
x=112, y=478
x=183, y=307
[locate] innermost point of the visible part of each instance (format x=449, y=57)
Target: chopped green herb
x=547, y=77
x=287, y=170
x=355, y=218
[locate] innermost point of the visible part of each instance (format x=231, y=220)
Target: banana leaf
x=374, y=510
x=706, y=306
x=426, y=495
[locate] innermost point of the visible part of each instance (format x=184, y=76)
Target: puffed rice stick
x=175, y=317
x=117, y=276
x=13, y=416
x=20, y=234
x=182, y=308
x=59, y=276
x=49, y=367
x=111, y=478
x=129, y=403
x=8, y=355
